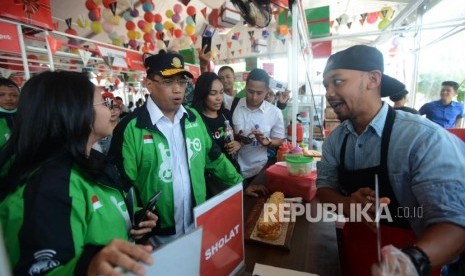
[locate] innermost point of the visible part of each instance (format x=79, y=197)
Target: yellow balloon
x=117, y=42
x=384, y=24
x=169, y=13
x=96, y=27
x=132, y=35
x=190, y=30
x=115, y=20
x=148, y=28
x=168, y=25
x=138, y=35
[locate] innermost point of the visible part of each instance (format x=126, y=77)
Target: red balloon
x=130, y=26
x=157, y=18
x=90, y=5
x=147, y=37
x=178, y=33
x=160, y=35
x=106, y=3
x=71, y=32
x=191, y=10
x=148, y=16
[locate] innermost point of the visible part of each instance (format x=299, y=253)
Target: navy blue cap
x=166, y=65
x=364, y=58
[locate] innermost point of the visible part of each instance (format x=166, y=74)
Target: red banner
x=9, y=38
x=33, y=12
x=222, y=243
x=134, y=61
x=193, y=69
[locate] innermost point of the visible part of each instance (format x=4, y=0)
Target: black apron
x=358, y=251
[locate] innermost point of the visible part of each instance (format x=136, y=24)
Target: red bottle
x=299, y=132
x=282, y=150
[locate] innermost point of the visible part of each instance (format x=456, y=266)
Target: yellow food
x=271, y=229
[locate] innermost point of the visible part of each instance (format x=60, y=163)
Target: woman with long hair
x=63, y=207
x=208, y=101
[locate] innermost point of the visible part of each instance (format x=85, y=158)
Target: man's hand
x=366, y=196
x=394, y=262
x=256, y=190
x=117, y=255
x=283, y=97
x=145, y=226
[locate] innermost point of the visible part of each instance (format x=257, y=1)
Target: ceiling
x=349, y=20
x=349, y=10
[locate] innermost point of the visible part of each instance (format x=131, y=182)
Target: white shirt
x=269, y=119
x=227, y=100
x=182, y=191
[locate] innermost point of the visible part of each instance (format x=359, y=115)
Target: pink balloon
x=177, y=8
x=141, y=24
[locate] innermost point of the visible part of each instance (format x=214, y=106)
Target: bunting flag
x=364, y=17
x=6, y=73
x=331, y=23
x=56, y=25
x=194, y=38
x=218, y=46
x=237, y=34
x=251, y=33
x=232, y=53
x=108, y=60
x=229, y=43
x=384, y=12
x=113, y=8
x=349, y=24
x=128, y=60
x=166, y=42
x=69, y=22
x=55, y=44
x=240, y=51
x=204, y=13
x=85, y=56
x=338, y=20
x=193, y=16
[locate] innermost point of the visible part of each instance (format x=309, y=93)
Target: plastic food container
x=299, y=165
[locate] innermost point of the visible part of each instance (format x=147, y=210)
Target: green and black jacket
x=143, y=155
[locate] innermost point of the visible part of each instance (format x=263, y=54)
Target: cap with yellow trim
x=166, y=65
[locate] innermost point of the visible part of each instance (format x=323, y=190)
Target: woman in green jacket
x=63, y=207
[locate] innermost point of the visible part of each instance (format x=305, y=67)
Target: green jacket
x=58, y=220
x=143, y=153
x=6, y=124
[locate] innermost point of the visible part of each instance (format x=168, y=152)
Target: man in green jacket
x=166, y=146
x=9, y=95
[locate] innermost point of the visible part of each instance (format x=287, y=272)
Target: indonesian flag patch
x=148, y=139
x=96, y=203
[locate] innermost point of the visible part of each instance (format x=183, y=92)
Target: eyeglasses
x=107, y=102
x=171, y=82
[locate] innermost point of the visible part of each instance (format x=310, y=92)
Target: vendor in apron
x=355, y=83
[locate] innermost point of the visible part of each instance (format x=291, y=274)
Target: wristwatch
x=269, y=141
x=419, y=259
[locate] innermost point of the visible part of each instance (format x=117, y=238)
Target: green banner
x=318, y=21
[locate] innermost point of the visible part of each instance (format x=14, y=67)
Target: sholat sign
x=223, y=236
x=221, y=242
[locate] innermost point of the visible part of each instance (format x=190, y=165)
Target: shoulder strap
x=234, y=104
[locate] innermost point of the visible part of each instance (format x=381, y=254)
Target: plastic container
x=279, y=180
x=299, y=165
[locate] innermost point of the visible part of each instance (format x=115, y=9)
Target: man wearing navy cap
x=416, y=164
x=164, y=146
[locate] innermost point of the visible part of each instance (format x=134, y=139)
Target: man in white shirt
x=226, y=75
x=259, y=120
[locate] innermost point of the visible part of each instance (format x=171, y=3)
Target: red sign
x=134, y=61
x=222, y=240
x=33, y=12
x=9, y=38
